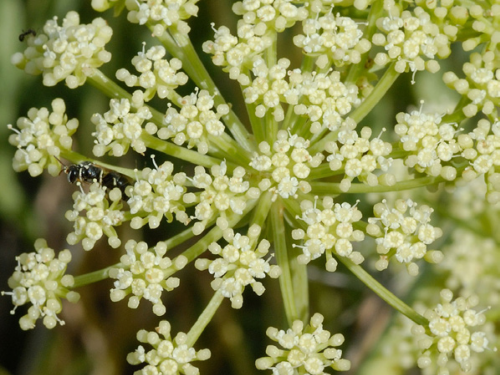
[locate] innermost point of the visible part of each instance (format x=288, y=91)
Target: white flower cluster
x=306, y=349
x=40, y=280
x=240, y=263
x=268, y=89
x=258, y=17
x=408, y=36
x=70, y=52
x=329, y=230
x=403, y=233
x=145, y=273
x=430, y=144
x=100, y=217
x=333, y=36
x=220, y=196
x=288, y=162
x=41, y=137
x=157, y=14
x=481, y=85
x=157, y=75
x=321, y=99
x=232, y=54
x=359, y=157
x=122, y=126
x=235, y=53
x=481, y=148
x=451, y=332
x=168, y=356
x=155, y=194
x=431, y=148
x=196, y=123
x=482, y=18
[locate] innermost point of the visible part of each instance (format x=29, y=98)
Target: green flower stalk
x=306, y=178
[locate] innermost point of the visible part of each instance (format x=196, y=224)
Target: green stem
x=379, y=91
x=280, y=248
x=383, y=293
x=107, y=86
x=93, y=277
x=300, y=281
x=262, y=209
x=324, y=171
x=271, y=127
x=231, y=150
x=326, y=188
x=111, y=89
x=205, y=318
x=257, y=124
x=181, y=152
x=270, y=56
x=179, y=238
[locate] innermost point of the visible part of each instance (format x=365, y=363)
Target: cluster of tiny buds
x=40, y=280
x=328, y=231
x=431, y=146
x=40, y=138
x=157, y=193
x=403, y=233
x=260, y=16
x=333, y=36
x=157, y=75
x=71, y=52
x=449, y=333
x=239, y=264
x=122, y=126
x=289, y=164
x=100, y=217
x=159, y=15
x=306, y=349
x=169, y=355
x=481, y=85
x=220, y=196
x=359, y=157
x=234, y=53
x=145, y=273
x=409, y=37
x=196, y=123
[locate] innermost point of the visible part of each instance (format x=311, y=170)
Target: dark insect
x=88, y=172
x=24, y=34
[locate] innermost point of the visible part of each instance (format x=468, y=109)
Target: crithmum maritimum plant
x=305, y=178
